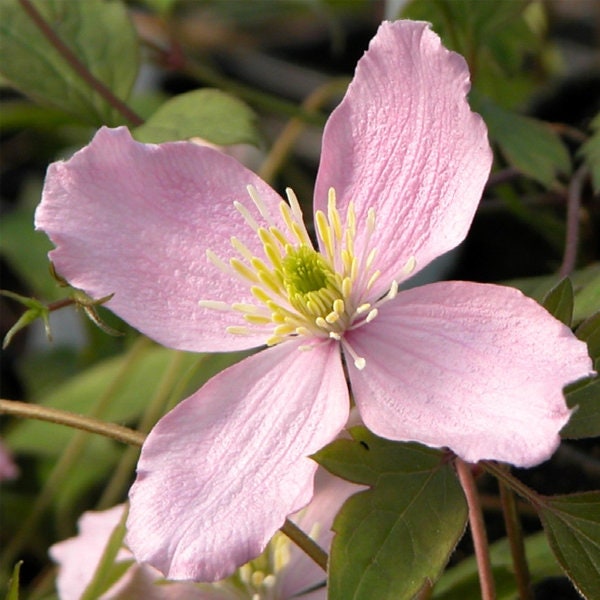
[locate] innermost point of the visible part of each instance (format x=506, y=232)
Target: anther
x=372, y=315
x=359, y=361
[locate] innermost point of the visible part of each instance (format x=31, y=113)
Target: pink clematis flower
x=196, y=265
x=8, y=468
x=281, y=572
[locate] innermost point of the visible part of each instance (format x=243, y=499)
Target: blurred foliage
x=178, y=69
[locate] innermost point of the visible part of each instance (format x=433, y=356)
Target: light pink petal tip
x=405, y=142
x=219, y=474
x=477, y=368
x=78, y=557
x=8, y=467
x=135, y=220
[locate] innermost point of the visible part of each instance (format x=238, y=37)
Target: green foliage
x=26, y=250
x=13, y=586
x=559, y=301
x=590, y=151
x=212, y=115
x=129, y=395
x=35, y=310
x=494, y=37
x=572, y=524
x=586, y=289
x=396, y=537
x=585, y=422
x=96, y=34
x=589, y=332
x=527, y=144
x=462, y=581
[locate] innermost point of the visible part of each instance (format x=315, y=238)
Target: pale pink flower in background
x=8, y=467
x=282, y=572
x=477, y=368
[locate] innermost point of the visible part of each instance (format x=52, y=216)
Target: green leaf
x=13, y=585
x=589, y=332
x=212, y=115
x=586, y=288
x=393, y=539
x=97, y=33
x=527, y=144
x=494, y=37
x=590, y=151
x=559, y=301
x=163, y=7
x=462, y=581
x=572, y=524
x=26, y=250
x=585, y=422
x=36, y=310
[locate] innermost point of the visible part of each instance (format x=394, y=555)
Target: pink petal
x=405, y=142
x=301, y=573
x=478, y=368
x=135, y=220
x=78, y=557
x=219, y=474
x=8, y=468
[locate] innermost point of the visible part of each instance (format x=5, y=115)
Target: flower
x=281, y=572
x=8, y=468
x=476, y=368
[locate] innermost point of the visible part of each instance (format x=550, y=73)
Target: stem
x=253, y=96
x=77, y=66
x=512, y=482
x=572, y=233
x=64, y=417
x=477, y=525
x=515, y=539
x=295, y=126
x=305, y=543
x=503, y=176
x=72, y=453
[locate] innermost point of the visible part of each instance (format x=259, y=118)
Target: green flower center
x=304, y=271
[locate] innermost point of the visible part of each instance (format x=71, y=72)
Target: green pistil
x=304, y=271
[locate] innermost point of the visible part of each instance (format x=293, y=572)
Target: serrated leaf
x=559, y=301
x=590, y=151
x=393, y=539
x=210, y=114
x=527, y=144
x=572, y=524
x=98, y=33
x=585, y=422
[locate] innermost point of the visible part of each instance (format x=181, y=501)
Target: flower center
x=260, y=578
x=305, y=271
x=299, y=291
